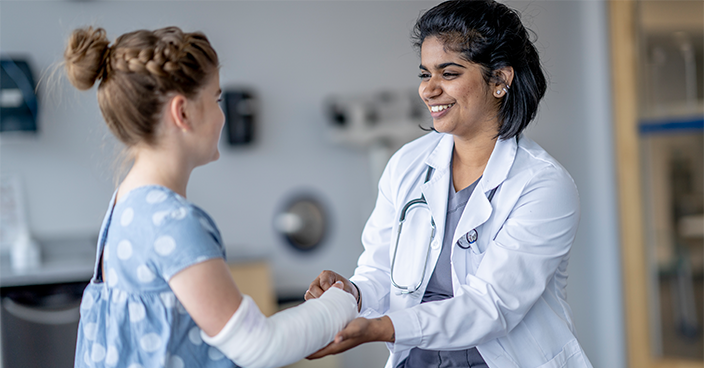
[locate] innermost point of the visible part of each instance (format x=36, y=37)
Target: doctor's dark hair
x=491, y=35
x=138, y=74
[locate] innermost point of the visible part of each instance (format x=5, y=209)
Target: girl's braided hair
x=138, y=73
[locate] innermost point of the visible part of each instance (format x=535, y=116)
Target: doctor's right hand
x=324, y=281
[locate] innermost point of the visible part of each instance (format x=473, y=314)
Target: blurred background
x=318, y=94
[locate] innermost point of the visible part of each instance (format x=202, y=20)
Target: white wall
x=294, y=54
x=575, y=126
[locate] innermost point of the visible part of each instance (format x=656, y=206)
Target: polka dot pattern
x=158, y=217
x=194, y=336
x=156, y=196
x=164, y=245
x=124, y=197
x=174, y=361
x=118, y=296
x=134, y=320
x=179, y=214
x=127, y=216
x=124, y=250
x=89, y=330
x=168, y=298
x=137, y=312
x=144, y=274
x=97, y=353
x=215, y=354
x=112, y=277
x=112, y=356
x=87, y=301
x=150, y=342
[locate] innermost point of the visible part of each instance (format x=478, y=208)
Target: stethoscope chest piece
x=467, y=240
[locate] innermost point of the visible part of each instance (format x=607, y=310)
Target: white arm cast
x=251, y=340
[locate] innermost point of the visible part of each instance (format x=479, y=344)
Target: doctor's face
x=459, y=99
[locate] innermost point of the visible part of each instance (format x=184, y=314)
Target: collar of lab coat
x=478, y=208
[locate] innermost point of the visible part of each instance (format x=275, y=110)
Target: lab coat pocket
x=475, y=258
x=475, y=248
x=571, y=356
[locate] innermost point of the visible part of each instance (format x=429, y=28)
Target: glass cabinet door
x=671, y=135
x=657, y=54
x=658, y=64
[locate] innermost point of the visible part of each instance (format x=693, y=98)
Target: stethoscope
x=465, y=241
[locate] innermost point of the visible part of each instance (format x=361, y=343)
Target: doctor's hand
x=325, y=280
x=357, y=332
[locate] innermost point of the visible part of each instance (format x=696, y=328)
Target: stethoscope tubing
x=402, y=219
x=408, y=289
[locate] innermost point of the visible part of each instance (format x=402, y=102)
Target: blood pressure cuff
x=251, y=340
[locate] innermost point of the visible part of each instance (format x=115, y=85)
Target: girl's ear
x=178, y=110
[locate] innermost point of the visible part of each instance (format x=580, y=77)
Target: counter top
x=62, y=261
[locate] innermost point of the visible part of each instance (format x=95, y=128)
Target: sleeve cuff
x=366, y=294
x=408, y=333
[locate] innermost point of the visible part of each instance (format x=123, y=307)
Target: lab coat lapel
x=436, y=189
x=478, y=209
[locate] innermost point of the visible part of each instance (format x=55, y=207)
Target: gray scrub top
x=440, y=288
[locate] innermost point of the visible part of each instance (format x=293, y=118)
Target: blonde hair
x=138, y=73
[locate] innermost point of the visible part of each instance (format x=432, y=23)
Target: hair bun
x=85, y=56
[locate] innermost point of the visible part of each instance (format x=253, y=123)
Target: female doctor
x=466, y=251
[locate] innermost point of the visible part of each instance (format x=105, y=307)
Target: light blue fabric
x=133, y=319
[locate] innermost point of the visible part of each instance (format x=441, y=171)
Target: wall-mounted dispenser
x=240, y=108
x=18, y=100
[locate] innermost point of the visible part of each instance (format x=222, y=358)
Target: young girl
x=162, y=294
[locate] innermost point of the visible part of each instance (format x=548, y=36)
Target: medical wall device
x=366, y=119
x=377, y=122
x=239, y=107
x=303, y=222
x=18, y=100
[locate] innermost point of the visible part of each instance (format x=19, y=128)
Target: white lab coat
x=509, y=288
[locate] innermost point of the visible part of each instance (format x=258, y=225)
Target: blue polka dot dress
x=130, y=318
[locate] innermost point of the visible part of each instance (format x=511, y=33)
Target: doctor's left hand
x=357, y=332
